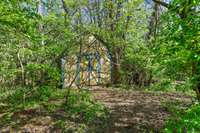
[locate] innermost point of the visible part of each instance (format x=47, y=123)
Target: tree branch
x=65, y=7
x=161, y=3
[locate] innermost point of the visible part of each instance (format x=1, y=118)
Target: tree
x=180, y=40
x=111, y=22
x=33, y=43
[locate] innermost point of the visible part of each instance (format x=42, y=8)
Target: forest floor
x=139, y=111
x=129, y=112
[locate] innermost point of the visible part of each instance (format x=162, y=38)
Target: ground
x=130, y=112
x=138, y=111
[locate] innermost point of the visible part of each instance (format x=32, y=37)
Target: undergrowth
x=76, y=106
x=184, y=120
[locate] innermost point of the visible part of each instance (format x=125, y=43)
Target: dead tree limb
x=65, y=7
x=162, y=3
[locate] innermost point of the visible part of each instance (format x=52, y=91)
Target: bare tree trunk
x=41, y=11
x=115, y=49
x=22, y=69
x=153, y=24
x=196, y=86
x=115, y=66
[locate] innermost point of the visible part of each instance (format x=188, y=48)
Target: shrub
x=81, y=103
x=188, y=120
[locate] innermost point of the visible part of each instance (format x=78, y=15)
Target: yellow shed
x=91, y=66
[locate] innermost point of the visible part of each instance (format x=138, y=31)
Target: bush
x=81, y=103
x=24, y=97
x=162, y=85
x=188, y=120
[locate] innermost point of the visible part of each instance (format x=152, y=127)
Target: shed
x=92, y=66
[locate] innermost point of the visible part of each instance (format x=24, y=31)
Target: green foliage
x=28, y=97
x=69, y=128
x=188, y=120
x=24, y=98
x=162, y=85
x=178, y=42
x=137, y=68
x=31, y=44
x=82, y=104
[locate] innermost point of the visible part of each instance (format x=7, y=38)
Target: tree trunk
x=22, y=70
x=115, y=66
x=195, y=74
x=198, y=92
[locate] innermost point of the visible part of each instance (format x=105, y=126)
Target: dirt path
x=135, y=112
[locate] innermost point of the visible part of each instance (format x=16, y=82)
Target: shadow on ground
x=130, y=112
x=137, y=111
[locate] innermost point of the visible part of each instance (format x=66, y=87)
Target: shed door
x=89, y=69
